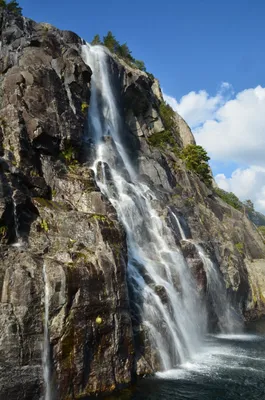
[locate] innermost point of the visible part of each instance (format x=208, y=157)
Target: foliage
x=229, y=197
x=96, y=40
x=140, y=65
x=122, y=51
x=110, y=42
x=240, y=247
x=166, y=138
x=11, y=6
x=68, y=153
x=167, y=115
x=262, y=230
x=196, y=159
x=249, y=205
x=84, y=107
x=163, y=140
x=3, y=230
x=44, y=225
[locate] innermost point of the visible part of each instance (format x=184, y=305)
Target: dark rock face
x=51, y=206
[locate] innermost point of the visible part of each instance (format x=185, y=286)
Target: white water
x=227, y=320
x=155, y=263
x=46, y=341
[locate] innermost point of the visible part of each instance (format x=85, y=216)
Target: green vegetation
x=262, y=230
x=167, y=115
x=166, y=139
x=240, y=247
x=248, y=204
x=230, y=198
x=44, y=225
x=196, y=160
x=84, y=107
x=163, y=140
x=11, y=6
x=122, y=51
x=68, y=155
x=3, y=230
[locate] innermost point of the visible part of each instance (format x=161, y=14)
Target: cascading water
x=155, y=265
x=228, y=321
x=46, y=341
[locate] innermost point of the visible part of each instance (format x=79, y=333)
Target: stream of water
x=192, y=365
x=46, y=341
x=155, y=264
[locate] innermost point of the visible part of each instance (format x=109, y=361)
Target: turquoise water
x=228, y=367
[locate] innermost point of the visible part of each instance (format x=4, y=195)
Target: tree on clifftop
x=12, y=6
x=96, y=40
x=110, y=42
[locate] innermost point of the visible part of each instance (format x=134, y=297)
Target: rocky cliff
x=54, y=218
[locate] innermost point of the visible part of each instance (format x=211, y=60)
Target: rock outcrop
x=53, y=215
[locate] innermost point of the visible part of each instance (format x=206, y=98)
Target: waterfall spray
x=157, y=272
x=227, y=320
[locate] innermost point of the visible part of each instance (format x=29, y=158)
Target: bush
x=229, y=197
x=196, y=160
x=240, y=247
x=167, y=115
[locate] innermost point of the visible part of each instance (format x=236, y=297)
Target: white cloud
x=196, y=108
x=237, y=133
x=231, y=130
x=247, y=183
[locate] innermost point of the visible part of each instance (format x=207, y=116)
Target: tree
x=196, y=159
x=12, y=6
x=110, y=42
x=249, y=205
x=124, y=52
x=96, y=40
x=229, y=197
x=140, y=65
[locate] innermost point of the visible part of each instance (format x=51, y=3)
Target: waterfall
x=46, y=341
x=163, y=289
x=227, y=318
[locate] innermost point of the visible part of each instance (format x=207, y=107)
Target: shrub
x=167, y=115
x=140, y=65
x=163, y=140
x=44, y=225
x=240, y=247
x=229, y=197
x=84, y=107
x=196, y=160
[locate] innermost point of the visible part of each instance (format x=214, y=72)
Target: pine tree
x=96, y=40
x=140, y=65
x=110, y=42
x=12, y=6
x=124, y=52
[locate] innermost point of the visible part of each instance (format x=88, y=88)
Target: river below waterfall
x=227, y=367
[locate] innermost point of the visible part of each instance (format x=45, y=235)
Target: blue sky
x=188, y=45
x=209, y=57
